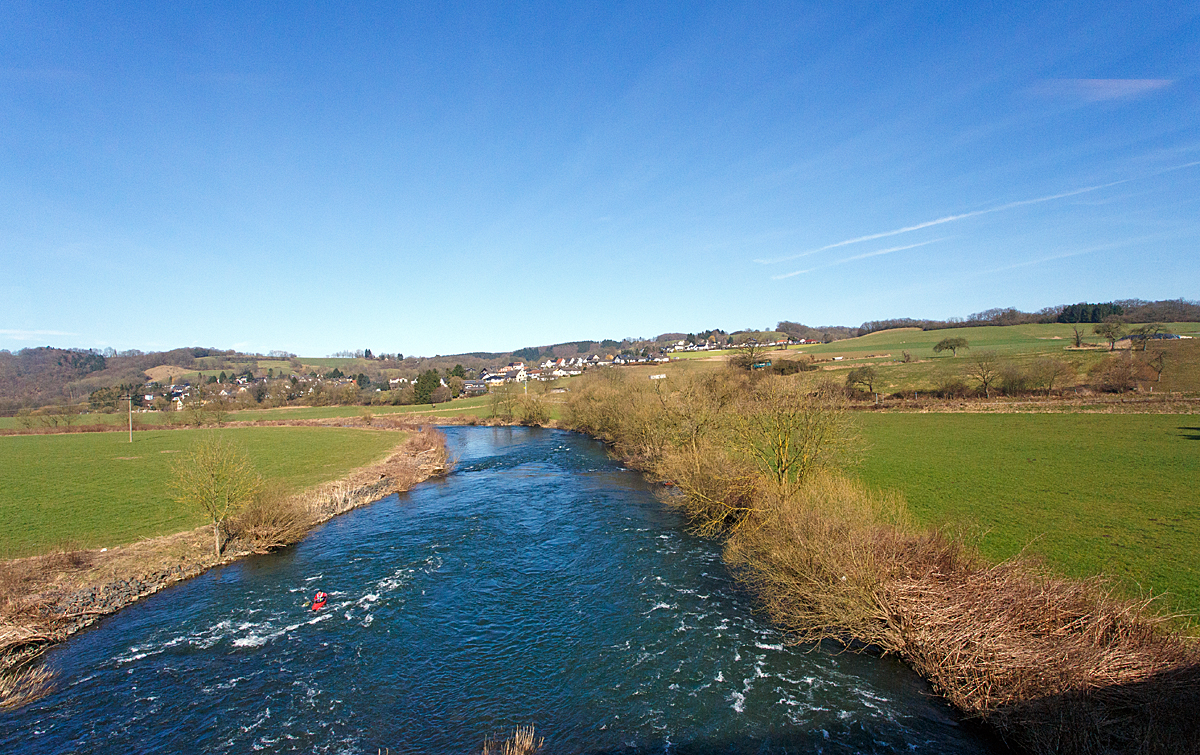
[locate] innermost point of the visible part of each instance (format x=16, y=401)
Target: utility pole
x=130, y=399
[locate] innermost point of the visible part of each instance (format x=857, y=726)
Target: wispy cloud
x=856, y=257
x=32, y=335
x=1099, y=90
x=940, y=221
x=1076, y=253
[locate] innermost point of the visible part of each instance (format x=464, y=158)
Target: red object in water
x=319, y=601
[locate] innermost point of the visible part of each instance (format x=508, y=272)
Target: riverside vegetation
x=47, y=597
x=1053, y=664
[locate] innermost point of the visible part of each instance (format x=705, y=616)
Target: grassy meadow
x=1092, y=494
x=475, y=406
x=1018, y=344
x=98, y=489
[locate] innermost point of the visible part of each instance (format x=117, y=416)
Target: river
x=539, y=583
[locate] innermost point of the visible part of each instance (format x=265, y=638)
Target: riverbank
x=1052, y=664
x=46, y=599
x=544, y=571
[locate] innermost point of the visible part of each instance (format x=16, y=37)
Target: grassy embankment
x=1093, y=494
x=91, y=490
x=1055, y=664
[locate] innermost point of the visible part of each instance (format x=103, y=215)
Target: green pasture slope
x=98, y=489
x=1018, y=344
x=1005, y=340
x=1093, y=494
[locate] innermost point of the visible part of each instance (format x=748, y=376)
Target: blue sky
x=440, y=178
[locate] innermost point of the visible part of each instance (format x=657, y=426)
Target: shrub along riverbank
x=1053, y=664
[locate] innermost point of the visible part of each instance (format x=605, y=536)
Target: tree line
x=1128, y=310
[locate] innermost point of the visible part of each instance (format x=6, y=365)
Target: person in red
x=319, y=601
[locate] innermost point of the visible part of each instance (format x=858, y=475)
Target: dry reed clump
x=523, y=741
x=20, y=581
x=271, y=519
x=27, y=623
x=819, y=559
x=1054, y=664
x=24, y=685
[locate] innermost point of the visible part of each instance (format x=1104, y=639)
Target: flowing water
x=540, y=583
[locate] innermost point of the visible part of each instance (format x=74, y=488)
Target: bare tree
x=502, y=402
x=985, y=368
x=218, y=409
x=533, y=409
x=748, y=353
x=1141, y=337
x=69, y=413
x=790, y=434
x=1078, y=335
x=217, y=478
x=1110, y=331
x=1051, y=370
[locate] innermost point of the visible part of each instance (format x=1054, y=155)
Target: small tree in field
x=1141, y=336
x=218, y=479
x=1051, y=371
x=502, y=402
x=986, y=369
x=1110, y=331
x=864, y=376
x=952, y=345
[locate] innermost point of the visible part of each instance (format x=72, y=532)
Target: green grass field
x=476, y=406
x=1019, y=344
x=327, y=362
x=462, y=406
x=98, y=489
x=1011, y=339
x=1092, y=494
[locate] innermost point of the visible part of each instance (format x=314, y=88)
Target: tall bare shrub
x=217, y=478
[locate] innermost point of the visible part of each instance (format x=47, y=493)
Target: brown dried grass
x=271, y=520
x=523, y=741
x=24, y=685
x=1054, y=664
x=22, y=578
